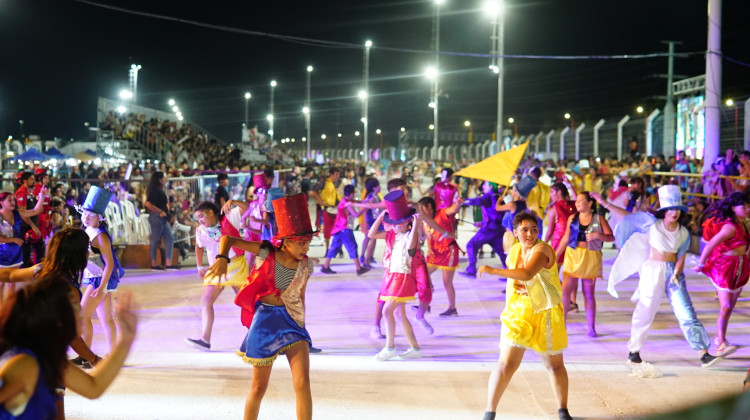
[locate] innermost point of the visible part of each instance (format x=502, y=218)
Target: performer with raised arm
x=490, y=231
x=273, y=302
x=655, y=246
x=533, y=317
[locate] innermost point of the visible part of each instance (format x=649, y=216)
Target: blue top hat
x=97, y=200
x=273, y=194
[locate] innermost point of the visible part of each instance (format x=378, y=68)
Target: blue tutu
x=271, y=333
x=11, y=255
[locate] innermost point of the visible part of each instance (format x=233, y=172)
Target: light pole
x=436, y=80
x=363, y=97
x=512, y=122
x=365, y=100
x=247, y=100
x=133, y=76
x=379, y=132
x=467, y=124
x=494, y=9
x=307, y=106
x=271, y=111
x=20, y=123
x=730, y=103
x=567, y=116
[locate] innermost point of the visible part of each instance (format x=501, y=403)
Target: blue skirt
x=10, y=255
x=271, y=333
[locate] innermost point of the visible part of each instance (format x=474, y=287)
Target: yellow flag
x=499, y=168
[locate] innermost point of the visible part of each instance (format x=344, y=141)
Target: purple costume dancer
x=490, y=232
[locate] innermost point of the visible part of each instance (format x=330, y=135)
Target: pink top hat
x=397, y=210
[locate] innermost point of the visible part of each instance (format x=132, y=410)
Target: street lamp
x=494, y=9
x=467, y=124
x=435, y=79
x=307, y=106
x=512, y=122
x=126, y=95
x=639, y=109
x=171, y=102
x=247, y=100
x=363, y=94
x=271, y=110
x=567, y=116
x=730, y=103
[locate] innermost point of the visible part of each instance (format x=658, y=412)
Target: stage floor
x=165, y=378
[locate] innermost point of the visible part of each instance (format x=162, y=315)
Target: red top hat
x=445, y=192
x=397, y=210
x=292, y=216
x=260, y=180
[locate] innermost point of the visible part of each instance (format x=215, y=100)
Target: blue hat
x=273, y=194
x=97, y=201
x=670, y=198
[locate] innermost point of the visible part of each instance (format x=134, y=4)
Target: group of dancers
x=260, y=249
x=537, y=299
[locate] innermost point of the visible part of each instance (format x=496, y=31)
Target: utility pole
x=669, y=111
x=713, y=84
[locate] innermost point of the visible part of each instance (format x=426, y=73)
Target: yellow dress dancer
x=533, y=319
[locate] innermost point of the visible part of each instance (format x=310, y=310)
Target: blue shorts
x=96, y=281
x=346, y=239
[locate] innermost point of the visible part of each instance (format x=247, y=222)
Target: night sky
x=59, y=56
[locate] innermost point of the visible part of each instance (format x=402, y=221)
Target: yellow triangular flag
x=498, y=168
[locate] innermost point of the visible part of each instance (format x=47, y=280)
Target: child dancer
x=725, y=260
x=399, y=284
x=103, y=271
x=372, y=191
x=212, y=226
x=442, y=253
x=343, y=234
x=273, y=302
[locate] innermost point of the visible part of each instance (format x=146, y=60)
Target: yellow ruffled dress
x=541, y=330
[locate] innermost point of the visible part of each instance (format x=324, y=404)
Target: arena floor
x=167, y=379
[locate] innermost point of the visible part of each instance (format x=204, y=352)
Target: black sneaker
x=198, y=343
x=450, y=312
x=416, y=308
x=78, y=361
x=468, y=273
x=707, y=360
x=315, y=350
x=363, y=270
x=327, y=270
x=635, y=357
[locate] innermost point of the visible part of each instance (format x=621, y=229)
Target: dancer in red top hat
x=273, y=302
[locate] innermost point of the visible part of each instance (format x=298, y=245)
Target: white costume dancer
x=648, y=244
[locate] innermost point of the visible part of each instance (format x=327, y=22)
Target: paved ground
x=167, y=379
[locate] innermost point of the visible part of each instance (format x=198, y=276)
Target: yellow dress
x=543, y=331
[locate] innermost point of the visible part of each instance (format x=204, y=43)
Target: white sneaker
x=411, y=354
x=425, y=326
x=376, y=333
x=385, y=354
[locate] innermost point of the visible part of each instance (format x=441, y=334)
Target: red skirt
x=727, y=272
x=398, y=287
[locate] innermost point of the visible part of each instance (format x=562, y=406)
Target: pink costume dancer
x=724, y=259
x=558, y=216
x=399, y=283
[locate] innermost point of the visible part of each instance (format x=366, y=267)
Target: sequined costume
x=580, y=262
x=442, y=252
x=92, y=274
x=208, y=239
x=563, y=209
x=399, y=282
x=727, y=272
x=272, y=329
x=491, y=231
x=537, y=325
